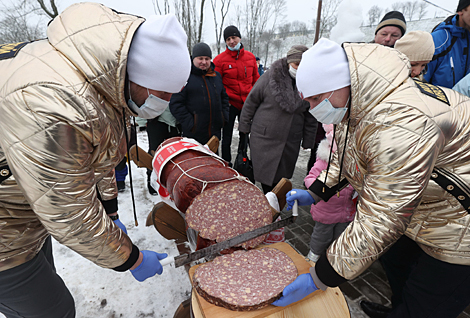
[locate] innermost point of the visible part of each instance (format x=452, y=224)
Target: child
x=418, y=46
x=332, y=217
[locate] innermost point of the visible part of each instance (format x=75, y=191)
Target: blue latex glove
x=302, y=196
x=121, y=226
x=301, y=287
x=150, y=265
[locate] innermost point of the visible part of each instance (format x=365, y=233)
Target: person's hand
x=301, y=287
x=149, y=266
x=302, y=196
x=121, y=226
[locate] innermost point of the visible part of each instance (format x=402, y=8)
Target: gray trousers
x=324, y=234
x=34, y=289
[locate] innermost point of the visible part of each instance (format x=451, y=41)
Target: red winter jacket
x=239, y=73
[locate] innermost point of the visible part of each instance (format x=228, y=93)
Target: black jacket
x=202, y=106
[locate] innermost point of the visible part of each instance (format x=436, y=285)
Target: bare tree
x=190, y=13
x=224, y=6
x=285, y=29
x=422, y=9
x=409, y=9
x=299, y=27
x=161, y=8
x=25, y=20
x=328, y=16
x=374, y=14
x=256, y=17
x=397, y=6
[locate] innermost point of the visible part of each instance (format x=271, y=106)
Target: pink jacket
x=338, y=209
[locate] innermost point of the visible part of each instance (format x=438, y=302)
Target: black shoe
x=375, y=310
x=152, y=191
x=121, y=185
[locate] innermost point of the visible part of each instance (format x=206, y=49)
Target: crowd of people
x=387, y=122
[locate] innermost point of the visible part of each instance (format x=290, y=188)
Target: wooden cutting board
x=325, y=304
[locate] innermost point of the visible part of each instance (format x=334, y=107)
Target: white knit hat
x=158, y=57
x=323, y=68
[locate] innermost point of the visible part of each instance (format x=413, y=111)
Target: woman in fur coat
x=332, y=217
x=278, y=121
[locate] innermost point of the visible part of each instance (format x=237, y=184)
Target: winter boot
x=121, y=185
x=152, y=191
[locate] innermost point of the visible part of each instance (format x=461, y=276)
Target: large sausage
x=245, y=280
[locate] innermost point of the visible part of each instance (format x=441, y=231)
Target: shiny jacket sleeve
x=399, y=151
x=52, y=160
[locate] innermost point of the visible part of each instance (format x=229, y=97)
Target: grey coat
x=278, y=122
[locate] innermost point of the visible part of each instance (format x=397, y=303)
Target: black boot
x=375, y=310
x=152, y=191
x=121, y=185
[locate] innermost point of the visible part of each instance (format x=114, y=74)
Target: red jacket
x=239, y=73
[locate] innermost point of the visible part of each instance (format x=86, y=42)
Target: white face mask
x=153, y=106
x=325, y=113
x=292, y=71
x=236, y=48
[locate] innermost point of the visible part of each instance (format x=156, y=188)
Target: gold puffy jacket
x=62, y=104
x=397, y=135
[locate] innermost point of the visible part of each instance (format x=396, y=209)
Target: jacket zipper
x=466, y=58
x=210, y=106
x=453, y=73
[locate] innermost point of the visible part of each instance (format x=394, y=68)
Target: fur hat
x=392, y=18
x=417, y=46
x=323, y=68
x=294, y=55
x=231, y=30
x=158, y=57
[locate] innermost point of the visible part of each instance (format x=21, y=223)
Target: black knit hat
x=463, y=4
x=201, y=49
x=231, y=30
x=393, y=18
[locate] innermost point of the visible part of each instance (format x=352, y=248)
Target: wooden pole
x=317, y=26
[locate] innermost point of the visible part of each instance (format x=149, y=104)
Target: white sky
x=302, y=10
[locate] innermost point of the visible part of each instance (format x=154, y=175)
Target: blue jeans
x=34, y=289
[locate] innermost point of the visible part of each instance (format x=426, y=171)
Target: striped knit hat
x=392, y=18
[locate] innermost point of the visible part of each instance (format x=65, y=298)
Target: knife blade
x=183, y=259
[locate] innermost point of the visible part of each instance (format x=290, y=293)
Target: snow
x=347, y=29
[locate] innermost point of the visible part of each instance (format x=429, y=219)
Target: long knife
x=183, y=259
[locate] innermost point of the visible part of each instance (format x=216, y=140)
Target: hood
x=96, y=40
x=376, y=71
x=451, y=25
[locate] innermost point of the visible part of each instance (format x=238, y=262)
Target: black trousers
x=34, y=289
x=423, y=286
x=227, y=133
